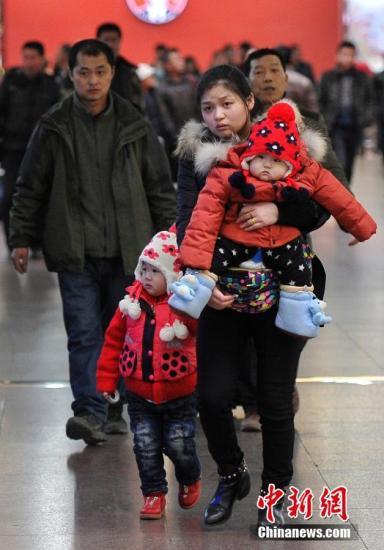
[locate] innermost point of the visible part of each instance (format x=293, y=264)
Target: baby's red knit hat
x=276, y=135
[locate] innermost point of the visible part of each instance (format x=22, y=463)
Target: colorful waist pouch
x=257, y=290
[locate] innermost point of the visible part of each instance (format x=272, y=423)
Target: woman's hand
x=258, y=215
x=219, y=300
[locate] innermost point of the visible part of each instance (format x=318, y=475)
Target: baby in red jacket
x=274, y=165
x=153, y=349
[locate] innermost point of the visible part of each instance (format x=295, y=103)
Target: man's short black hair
x=108, y=27
x=34, y=45
x=91, y=47
x=257, y=54
x=346, y=44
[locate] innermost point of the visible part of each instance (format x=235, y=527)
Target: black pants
x=222, y=336
x=345, y=142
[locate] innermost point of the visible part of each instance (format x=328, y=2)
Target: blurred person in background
x=191, y=68
x=244, y=48
x=346, y=101
x=61, y=70
x=299, y=65
x=179, y=95
x=25, y=94
x=125, y=81
x=155, y=108
x=299, y=87
x=158, y=62
x=378, y=83
x=218, y=58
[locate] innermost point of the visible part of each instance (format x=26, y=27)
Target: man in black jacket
x=346, y=101
x=25, y=94
x=97, y=177
x=125, y=81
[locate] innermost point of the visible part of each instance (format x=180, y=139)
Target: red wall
x=204, y=26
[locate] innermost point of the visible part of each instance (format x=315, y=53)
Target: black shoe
x=115, y=422
x=87, y=427
x=231, y=487
x=278, y=512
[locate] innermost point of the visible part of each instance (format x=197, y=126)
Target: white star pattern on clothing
x=269, y=252
x=225, y=263
x=279, y=272
x=277, y=257
x=288, y=247
x=234, y=252
x=289, y=262
x=221, y=250
x=292, y=283
x=301, y=267
x=246, y=251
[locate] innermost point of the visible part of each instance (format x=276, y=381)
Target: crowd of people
x=91, y=155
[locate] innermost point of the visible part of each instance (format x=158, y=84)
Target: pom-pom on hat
x=276, y=135
x=162, y=252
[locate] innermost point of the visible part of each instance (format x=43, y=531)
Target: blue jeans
x=89, y=301
x=167, y=428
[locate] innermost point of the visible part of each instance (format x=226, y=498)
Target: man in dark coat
x=97, y=177
x=125, y=81
x=346, y=101
x=25, y=94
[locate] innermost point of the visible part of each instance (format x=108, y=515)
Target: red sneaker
x=189, y=494
x=154, y=506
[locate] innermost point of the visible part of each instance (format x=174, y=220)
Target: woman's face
x=225, y=113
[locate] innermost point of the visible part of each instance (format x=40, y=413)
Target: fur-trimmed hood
x=198, y=143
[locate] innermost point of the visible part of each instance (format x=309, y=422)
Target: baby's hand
x=112, y=398
x=353, y=242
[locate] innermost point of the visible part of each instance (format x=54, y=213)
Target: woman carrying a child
x=226, y=101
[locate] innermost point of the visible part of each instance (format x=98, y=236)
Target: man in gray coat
x=96, y=176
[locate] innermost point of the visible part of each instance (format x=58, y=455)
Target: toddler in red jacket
x=274, y=165
x=153, y=349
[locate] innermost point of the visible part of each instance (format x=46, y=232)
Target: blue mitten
x=191, y=293
x=300, y=313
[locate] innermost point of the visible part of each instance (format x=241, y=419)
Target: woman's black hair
x=227, y=75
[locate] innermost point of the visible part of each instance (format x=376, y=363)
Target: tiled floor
x=56, y=494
